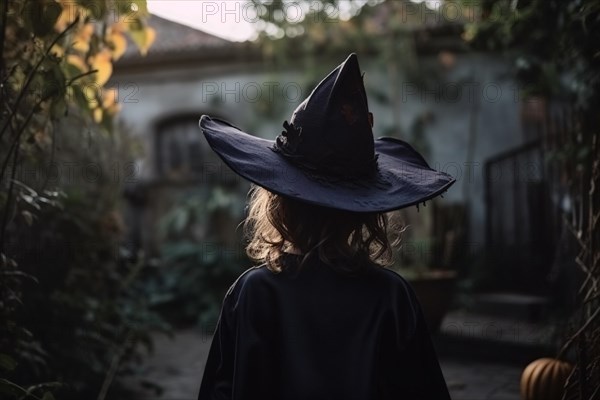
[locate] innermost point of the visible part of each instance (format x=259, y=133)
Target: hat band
x=287, y=143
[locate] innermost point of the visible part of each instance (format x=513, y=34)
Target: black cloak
x=313, y=333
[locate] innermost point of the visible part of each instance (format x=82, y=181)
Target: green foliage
x=41, y=391
x=555, y=45
x=202, y=254
x=556, y=48
x=88, y=295
x=389, y=33
x=55, y=53
x=72, y=304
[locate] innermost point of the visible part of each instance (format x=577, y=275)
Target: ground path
x=177, y=364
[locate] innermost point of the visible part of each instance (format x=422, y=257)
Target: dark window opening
x=182, y=152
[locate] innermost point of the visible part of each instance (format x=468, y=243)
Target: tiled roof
x=173, y=38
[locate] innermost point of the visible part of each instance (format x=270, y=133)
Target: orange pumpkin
x=545, y=379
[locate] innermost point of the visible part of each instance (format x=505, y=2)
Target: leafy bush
x=72, y=306
x=202, y=253
x=79, y=320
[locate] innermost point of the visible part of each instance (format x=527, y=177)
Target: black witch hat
x=327, y=155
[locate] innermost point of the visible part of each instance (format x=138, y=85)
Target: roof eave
x=205, y=55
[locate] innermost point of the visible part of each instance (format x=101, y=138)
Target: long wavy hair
x=277, y=224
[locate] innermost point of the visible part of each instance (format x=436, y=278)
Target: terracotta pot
x=434, y=290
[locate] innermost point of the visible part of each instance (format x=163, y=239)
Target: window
x=181, y=150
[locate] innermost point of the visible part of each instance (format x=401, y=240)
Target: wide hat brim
x=402, y=178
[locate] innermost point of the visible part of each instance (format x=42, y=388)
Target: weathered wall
x=473, y=96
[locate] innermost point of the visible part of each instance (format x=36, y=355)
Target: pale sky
x=230, y=19
x=237, y=19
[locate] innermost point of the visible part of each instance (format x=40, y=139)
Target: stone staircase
x=503, y=327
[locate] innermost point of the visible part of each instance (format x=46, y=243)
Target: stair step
x=491, y=337
x=519, y=306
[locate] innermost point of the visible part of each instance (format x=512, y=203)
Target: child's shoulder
x=393, y=276
x=395, y=281
x=260, y=276
x=252, y=273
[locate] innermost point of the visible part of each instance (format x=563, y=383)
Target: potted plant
x=435, y=290
x=420, y=261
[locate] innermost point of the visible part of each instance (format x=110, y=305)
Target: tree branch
x=31, y=75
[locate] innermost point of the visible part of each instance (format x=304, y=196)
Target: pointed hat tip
x=352, y=58
x=350, y=64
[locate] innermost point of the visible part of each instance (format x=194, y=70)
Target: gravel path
x=177, y=366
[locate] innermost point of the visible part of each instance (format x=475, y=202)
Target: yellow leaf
x=143, y=38
x=118, y=27
x=97, y=115
x=113, y=109
x=91, y=95
x=118, y=43
x=109, y=97
x=102, y=63
x=77, y=62
x=81, y=41
x=57, y=50
x=80, y=45
x=86, y=31
x=70, y=11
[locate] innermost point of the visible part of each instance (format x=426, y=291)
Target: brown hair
x=275, y=223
